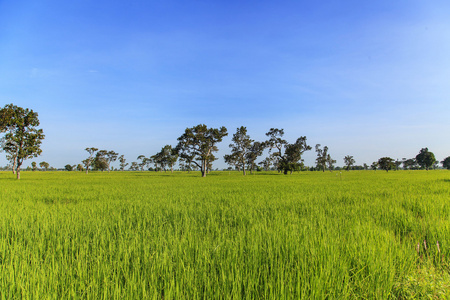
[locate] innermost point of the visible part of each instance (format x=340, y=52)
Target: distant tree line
x=195, y=150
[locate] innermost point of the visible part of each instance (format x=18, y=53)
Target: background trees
x=22, y=139
x=446, y=163
x=44, y=165
x=324, y=158
x=386, y=163
x=349, y=161
x=199, y=143
x=290, y=159
x=123, y=162
x=425, y=158
x=88, y=161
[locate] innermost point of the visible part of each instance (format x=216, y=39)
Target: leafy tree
x=446, y=163
x=44, y=165
x=143, y=161
x=80, y=167
x=349, y=161
x=134, y=166
x=232, y=160
x=256, y=149
x=324, y=159
x=110, y=157
x=170, y=156
x=386, y=163
x=240, y=146
x=266, y=163
x=198, y=145
x=88, y=161
x=290, y=159
x=68, y=167
x=374, y=165
x=22, y=138
x=123, y=162
x=409, y=164
x=33, y=166
x=101, y=161
x=425, y=158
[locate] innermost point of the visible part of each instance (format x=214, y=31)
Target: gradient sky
x=365, y=78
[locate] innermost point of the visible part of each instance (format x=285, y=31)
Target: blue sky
x=365, y=78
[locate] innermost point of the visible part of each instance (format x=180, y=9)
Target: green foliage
x=22, y=139
x=425, y=158
x=349, y=161
x=198, y=144
x=290, y=159
x=146, y=235
x=68, y=167
x=386, y=163
x=446, y=163
x=44, y=165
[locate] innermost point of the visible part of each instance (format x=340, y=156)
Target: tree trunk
x=18, y=174
x=243, y=169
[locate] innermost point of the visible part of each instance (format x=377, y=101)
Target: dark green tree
x=33, y=166
x=446, y=163
x=349, y=161
x=386, y=163
x=101, y=161
x=110, y=157
x=199, y=143
x=288, y=157
x=68, y=167
x=22, y=137
x=241, y=143
x=324, y=159
x=425, y=158
x=255, y=150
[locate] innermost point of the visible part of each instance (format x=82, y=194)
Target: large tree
x=199, y=143
x=288, y=157
x=386, y=163
x=425, y=158
x=22, y=139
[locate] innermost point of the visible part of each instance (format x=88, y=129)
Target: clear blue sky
x=365, y=78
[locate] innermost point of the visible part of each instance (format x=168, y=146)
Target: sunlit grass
x=171, y=236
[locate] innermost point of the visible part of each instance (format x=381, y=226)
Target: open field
x=153, y=235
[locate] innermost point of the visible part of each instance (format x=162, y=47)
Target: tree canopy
x=425, y=158
x=22, y=139
x=197, y=144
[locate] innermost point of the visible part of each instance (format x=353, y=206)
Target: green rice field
x=148, y=235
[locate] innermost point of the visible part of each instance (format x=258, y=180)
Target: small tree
x=374, y=165
x=123, y=162
x=68, y=167
x=44, y=165
x=386, y=163
x=239, y=148
x=88, y=161
x=324, y=159
x=101, y=161
x=80, y=167
x=33, y=166
x=110, y=157
x=349, y=161
x=255, y=150
x=425, y=158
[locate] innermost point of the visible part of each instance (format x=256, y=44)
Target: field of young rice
x=147, y=235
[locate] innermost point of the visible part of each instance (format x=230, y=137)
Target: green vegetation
x=312, y=235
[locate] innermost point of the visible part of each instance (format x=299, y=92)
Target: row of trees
x=196, y=149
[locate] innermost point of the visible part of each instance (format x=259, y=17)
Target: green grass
x=310, y=235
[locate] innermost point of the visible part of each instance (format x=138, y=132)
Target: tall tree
x=349, y=161
x=22, y=137
x=88, y=161
x=324, y=158
x=288, y=156
x=386, y=163
x=101, y=161
x=110, y=156
x=123, y=162
x=425, y=158
x=255, y=150
x=240, y=146
x=200, y=142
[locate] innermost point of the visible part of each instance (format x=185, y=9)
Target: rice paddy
x=148, y=235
